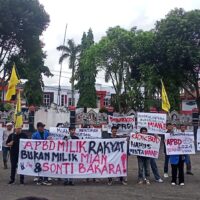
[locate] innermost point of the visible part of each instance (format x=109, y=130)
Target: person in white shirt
x=5, y=148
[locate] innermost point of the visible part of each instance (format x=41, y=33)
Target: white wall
x=51, y=117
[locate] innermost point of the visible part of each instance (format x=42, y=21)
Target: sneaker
x=147, y=182
x=182, y=184
x=21, y=182
x=95, y=180
x=189, y=173
x=35, y=179
x=159, y=180
x=71, y=183
x=124, y=183
x=109, y=183
x=173, y=183
x=39, y=183
x=66, y=183
x=11, y=182
x=140, y=182
x=47, y=183
x=166, y=175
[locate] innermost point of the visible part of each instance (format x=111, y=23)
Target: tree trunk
x=72, y=86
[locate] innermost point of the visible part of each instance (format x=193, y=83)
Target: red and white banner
x=154, y=122
x=125, y=124
x=179, y=143
x=57, y=133
x=73, y=158
x=144, y=145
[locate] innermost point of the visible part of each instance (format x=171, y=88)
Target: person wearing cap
x=41, y=134
x=72, y=131
x=114, y=135
x=5, y=148
x=13, y=142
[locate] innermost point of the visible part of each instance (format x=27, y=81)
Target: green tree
x=21, y=24
x=70, y=51
x=86, y=73
x=178, y=51
x=113, y=52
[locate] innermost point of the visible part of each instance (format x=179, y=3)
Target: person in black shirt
x=13, y=142
x=72, y=131
x=114, y=135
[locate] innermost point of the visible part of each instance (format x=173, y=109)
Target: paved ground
x=98, y=191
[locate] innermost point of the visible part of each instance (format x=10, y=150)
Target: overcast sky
x=80, y=15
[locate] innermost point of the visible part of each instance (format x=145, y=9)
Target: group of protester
x=11, y=140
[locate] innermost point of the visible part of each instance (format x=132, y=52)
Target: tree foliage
x=178, y=51
x=86, y=73
x=21, y=24
x=71, y=51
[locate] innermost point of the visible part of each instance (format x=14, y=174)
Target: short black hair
x=40, y=124
x=168, y=124
x=182, y=125
x=72, y=127
x=114, y=127
x=143, y=129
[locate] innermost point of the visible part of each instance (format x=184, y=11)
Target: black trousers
x=14, y=162
x=180, y=169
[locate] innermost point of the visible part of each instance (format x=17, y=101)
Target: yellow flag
x=165, y=101
x=18, y=113
x=12, y=84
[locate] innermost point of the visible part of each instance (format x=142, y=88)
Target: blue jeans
x=154, y=168
x=5, y=150
x=166, y=164
x=188, y=164
x=143, y=167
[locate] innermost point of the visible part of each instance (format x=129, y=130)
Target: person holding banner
x=170, y=129
x=143, y=165
x=72, y=132
x=41, y=134
x=13, y=142
x=114, y=135
x=5, y=148
x=188, y=164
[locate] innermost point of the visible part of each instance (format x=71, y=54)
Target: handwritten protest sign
x=73, y=158
x=154, y=122
x=179, y=144
x=144, y=145
x=198, y=140
x=88, y=133
x=125, y=124
x=1, y=138
x=83, y=133
x=58, y=133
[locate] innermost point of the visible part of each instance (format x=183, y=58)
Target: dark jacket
x=73, y=137
x=14, y=150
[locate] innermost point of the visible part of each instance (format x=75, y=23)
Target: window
x=63, y=100
x=70, y=101
x=106, y=102
x=47, y=99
